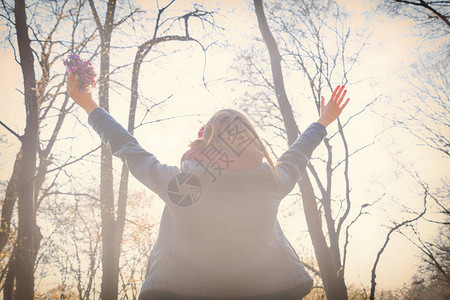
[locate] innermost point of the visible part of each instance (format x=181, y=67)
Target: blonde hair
x=219, y=122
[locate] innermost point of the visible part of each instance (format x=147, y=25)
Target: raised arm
x=142, y=164
x=292, y=164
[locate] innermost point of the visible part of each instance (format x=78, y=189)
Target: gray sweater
x=219, y=235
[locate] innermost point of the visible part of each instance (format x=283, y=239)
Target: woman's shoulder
x=261, y=176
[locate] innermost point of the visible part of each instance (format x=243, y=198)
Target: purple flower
x=74, y=56
x=83, y=70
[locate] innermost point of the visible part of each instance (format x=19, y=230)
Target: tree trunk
x=334, y=284
x=110, y=270
x=27, y=238
x=9, y=202
x=110, y=276
x=8, y=287
x=277, y=73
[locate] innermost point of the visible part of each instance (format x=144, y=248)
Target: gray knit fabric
x=219, y=234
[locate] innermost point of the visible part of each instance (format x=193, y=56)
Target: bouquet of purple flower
x=83, y=70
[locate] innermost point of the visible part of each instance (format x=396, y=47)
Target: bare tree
x=73, y=245
x=112, y=226
x=435, y=271
x=388, y=236
x=9, y=202
x=428, y=99
x=432, y=15
x=437, y=9
x=48, y=91
x=302, y=31
x=28, y=236
x=335, y=288
x=422, y=111
x=110, y=270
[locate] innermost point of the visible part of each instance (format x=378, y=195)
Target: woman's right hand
x=83, y=99
x=331, y=111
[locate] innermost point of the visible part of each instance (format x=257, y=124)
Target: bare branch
x=427, y=6
x=19, y=137
x=73, y=161
x=391, y=231
x=96, y=17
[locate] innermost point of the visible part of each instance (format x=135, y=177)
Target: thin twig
x=12, y=131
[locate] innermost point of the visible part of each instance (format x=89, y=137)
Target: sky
x=390, y=51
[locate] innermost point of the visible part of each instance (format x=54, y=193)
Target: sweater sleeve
x=143, y=165
x=292, y=164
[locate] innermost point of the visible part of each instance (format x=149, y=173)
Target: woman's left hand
x=331, y=111
x=83, y=99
